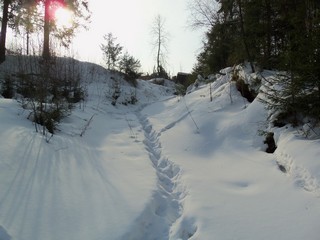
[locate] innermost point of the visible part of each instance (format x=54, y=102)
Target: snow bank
x=235, y=189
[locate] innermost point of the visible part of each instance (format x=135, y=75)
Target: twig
x=131, y=130
x=86, y=126
x=48, y=138
x=230, y=95
x=190, y=114
x=312, y=129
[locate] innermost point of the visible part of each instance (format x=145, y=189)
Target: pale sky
x=130, y=21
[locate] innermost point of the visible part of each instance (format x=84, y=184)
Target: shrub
x=7, y=90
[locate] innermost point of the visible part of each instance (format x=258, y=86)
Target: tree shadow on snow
x=3, y=234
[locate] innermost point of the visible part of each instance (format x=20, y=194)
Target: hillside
x=166, y=167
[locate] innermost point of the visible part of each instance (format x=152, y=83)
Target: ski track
x=164, y=211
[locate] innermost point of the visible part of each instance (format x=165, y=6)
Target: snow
x=168, y=167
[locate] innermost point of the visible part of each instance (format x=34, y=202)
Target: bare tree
x=203, y=13
x=160, y=40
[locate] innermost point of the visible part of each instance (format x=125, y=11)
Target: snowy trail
x=142, y=172
x=165, y=209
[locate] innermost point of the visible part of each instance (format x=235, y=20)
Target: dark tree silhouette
x=4, y=25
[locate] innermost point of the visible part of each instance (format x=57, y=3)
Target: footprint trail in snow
x=162, y=217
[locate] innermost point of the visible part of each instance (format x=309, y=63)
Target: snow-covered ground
x=167, y=167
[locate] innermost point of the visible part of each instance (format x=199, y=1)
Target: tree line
x=279, y=35
x=116, y=60
x=49, y=86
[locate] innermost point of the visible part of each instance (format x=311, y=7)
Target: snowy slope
x=88, y=187
x=166, y=168
x=235, y=190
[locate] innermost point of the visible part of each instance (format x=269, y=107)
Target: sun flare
x=63, y=18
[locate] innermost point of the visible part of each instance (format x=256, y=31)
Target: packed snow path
x=166, y=205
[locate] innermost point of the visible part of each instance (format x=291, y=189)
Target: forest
x=37, y=77
x=282, y=35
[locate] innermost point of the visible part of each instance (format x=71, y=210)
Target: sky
x=131, y=22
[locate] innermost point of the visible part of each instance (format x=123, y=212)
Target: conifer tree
x=4, y=24
x=129, y=66
x=81, y=12
x=111, y=51
x=283, y=35
x=27, y=21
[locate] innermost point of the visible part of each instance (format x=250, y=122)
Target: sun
x=63, y=17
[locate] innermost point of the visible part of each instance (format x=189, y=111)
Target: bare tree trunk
x=160, y=39
x=269, y=29
x=159, y=50
x=28, y=42
x=46, y=38
x=244, y=36
x=4, y=30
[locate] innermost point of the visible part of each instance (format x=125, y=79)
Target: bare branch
x=203, y=13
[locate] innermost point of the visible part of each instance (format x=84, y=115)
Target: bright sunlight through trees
x=63, y=17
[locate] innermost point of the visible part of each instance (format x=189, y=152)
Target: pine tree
x=282, y=35
x=4, y=24
x=111, y=51
x=27, y=21
x=81, y=12
x=130, y=67
x=297, y=92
